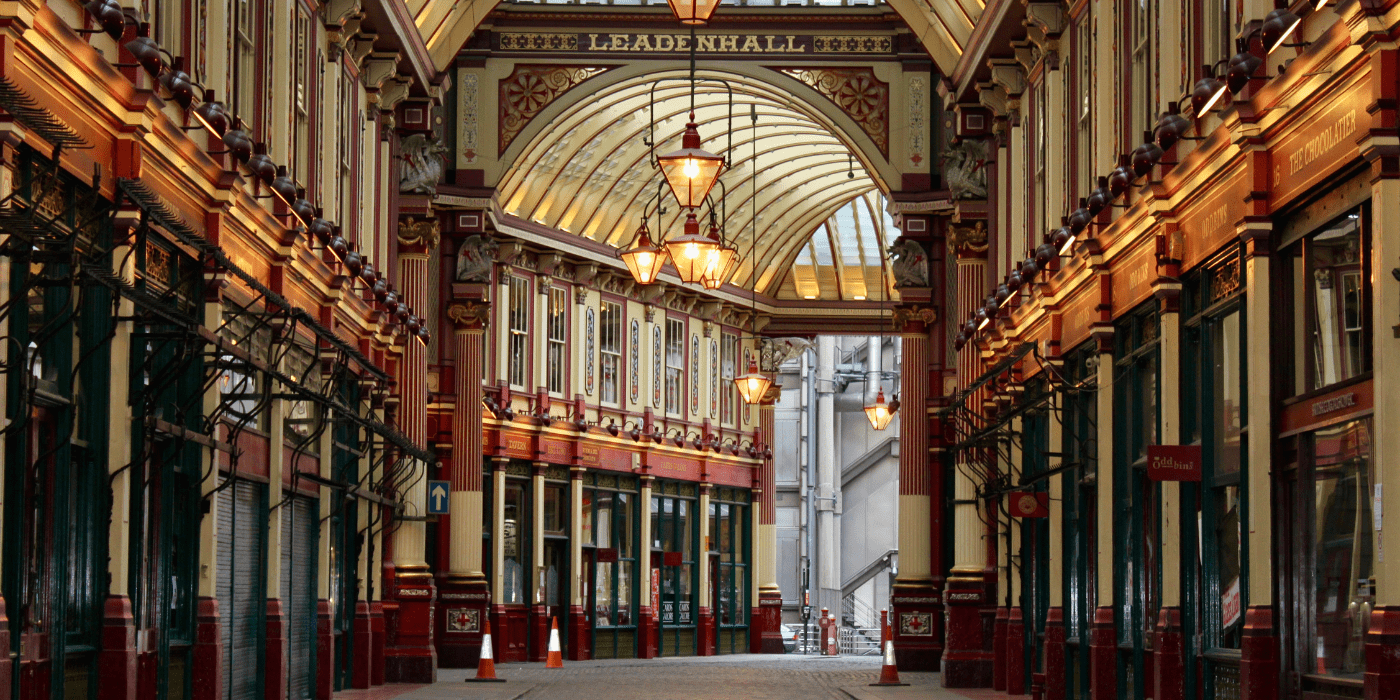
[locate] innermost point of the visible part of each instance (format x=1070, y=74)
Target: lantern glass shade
x=691, y=252
x=718, y=266
x=693, y=11
x=753, y=385
x=644, y=260
x=692, y=170
x=879, y=412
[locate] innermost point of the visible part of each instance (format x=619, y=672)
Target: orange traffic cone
x=889, y=673
x=555, y=659
x=486, y=667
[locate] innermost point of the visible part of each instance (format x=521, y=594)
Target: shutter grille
x=299, y=527
x=239, y=590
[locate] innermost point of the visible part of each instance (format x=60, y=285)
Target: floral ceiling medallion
x=862, y=96
x=532, y=87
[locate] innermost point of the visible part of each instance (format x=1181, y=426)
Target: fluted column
x=411, y=656
x=966, y=663
x=464, y=596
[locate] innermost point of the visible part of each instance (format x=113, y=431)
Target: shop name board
x=1336, y=403
x=1174, y=462
x=631, y=42
x=1323, y=143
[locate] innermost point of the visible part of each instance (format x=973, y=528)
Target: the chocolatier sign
x=1174, y=462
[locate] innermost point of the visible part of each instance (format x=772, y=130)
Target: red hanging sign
x=1174, y=462
x=1029, y=504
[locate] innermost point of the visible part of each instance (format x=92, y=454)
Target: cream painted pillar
x=1056, y=487
x=1106, y=91
x=1104, y=482
x=502, y=309
x=1056, y=126
x=464, y=552
x=576, y=591
x=1169, y=374
x=410, y=536
x=119, y=450
x=498, y=530
x=538, y=343
x=1018, y=196
x=326, y=468
x=1258, y=531
x=702, y=521
x=536, y=591
x=276, y=467
x=1385, y=314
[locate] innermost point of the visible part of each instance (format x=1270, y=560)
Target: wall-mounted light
x=1146, y=155
x=1100, y=198
x=1169, y=129
x=212, y=114
x=1278, y=26
x=1242, y=67
x=146, y=51
x=1207, y=92
x=1122, y=177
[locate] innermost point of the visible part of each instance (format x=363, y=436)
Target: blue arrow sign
x=437, y=498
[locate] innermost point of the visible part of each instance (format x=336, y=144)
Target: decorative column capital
x=914, y=319
x=418, y=236
x=968, y=242
x=469, y=314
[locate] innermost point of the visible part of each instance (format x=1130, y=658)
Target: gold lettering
x=593, y=43
x=770, y=48
x=682, y=42
x=729, y=43
x=705, y=42
x=750, y=45
x=617, y=42
x=643, y=43
x=791, y=48
x=1322, y=144
x=665, y=42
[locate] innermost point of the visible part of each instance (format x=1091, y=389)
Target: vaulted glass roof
x=589, y=173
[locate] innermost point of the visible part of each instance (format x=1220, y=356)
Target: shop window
x=1084, y=88
x=1330, y=287
x=518, y=319
x=673, y=552
x=1136, y=512
x=675, y=365
x=1142, y=90
x=300, y=164
x=1079, y=445
x=302, y=421
x=1343, y=545
x=610, y=559
x=348, y=153
x=242, y=64
x=516, y=538
x=558, y=338
x=556, y=516
x=729, y=393
x=1215, y=418
x=244, y=388
x=610, y=348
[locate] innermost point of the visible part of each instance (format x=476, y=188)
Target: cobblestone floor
x=743, y=677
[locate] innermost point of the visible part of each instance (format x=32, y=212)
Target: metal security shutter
x=299, y=555
x=240, y=591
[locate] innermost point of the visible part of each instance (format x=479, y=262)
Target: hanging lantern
x=644, y=259
x=693, y=11
x=691, y=171
x=879, y=413
x=692, y=251
x=719, y=263
x=754, y=385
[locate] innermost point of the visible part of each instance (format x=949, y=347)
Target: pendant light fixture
x=693, y=12
x=753, y=384
x=644, y=259
x=692, y=251
x=879, y=412
x=721, y=260
x=692, y=170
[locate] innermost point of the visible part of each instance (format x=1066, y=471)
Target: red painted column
x=275, y=652
x=364, y=647
x=116, y=663
x=1054, y=655
x=1103, y=655
x=325, y=650
x=1259, y=662
x=377, y=645
x=1015, y=652
x=999, y=649
x=208, y=652
x=1383, y=653
x=1169, y=661
x=464, y=595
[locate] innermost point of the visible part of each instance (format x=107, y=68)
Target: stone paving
x=740, y=677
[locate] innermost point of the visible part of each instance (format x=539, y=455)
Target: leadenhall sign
x=783, y=44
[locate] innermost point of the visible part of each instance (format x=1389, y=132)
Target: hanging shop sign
x=1174, y=462
x=649, y=43
x=1029, y=504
